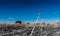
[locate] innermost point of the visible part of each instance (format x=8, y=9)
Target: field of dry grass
x=30, y=25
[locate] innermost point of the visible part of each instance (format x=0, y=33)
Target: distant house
x=37, y=23
x=18, y=22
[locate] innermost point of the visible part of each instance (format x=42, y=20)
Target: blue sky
x=27, y=10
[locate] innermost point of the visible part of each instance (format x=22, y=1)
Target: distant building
x=37, y=23
x=18, y=22
x=43, y=23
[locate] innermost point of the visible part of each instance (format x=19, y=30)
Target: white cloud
x=51, y=21
x=42, y=19
x=11, y=18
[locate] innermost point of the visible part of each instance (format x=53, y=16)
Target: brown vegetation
x=29, y=25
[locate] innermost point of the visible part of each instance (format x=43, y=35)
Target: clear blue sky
x=27, y=10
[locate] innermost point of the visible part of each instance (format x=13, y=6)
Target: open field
x=25, y=30
x=30, y=25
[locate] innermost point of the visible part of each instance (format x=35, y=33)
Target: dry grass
x=30, y=25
